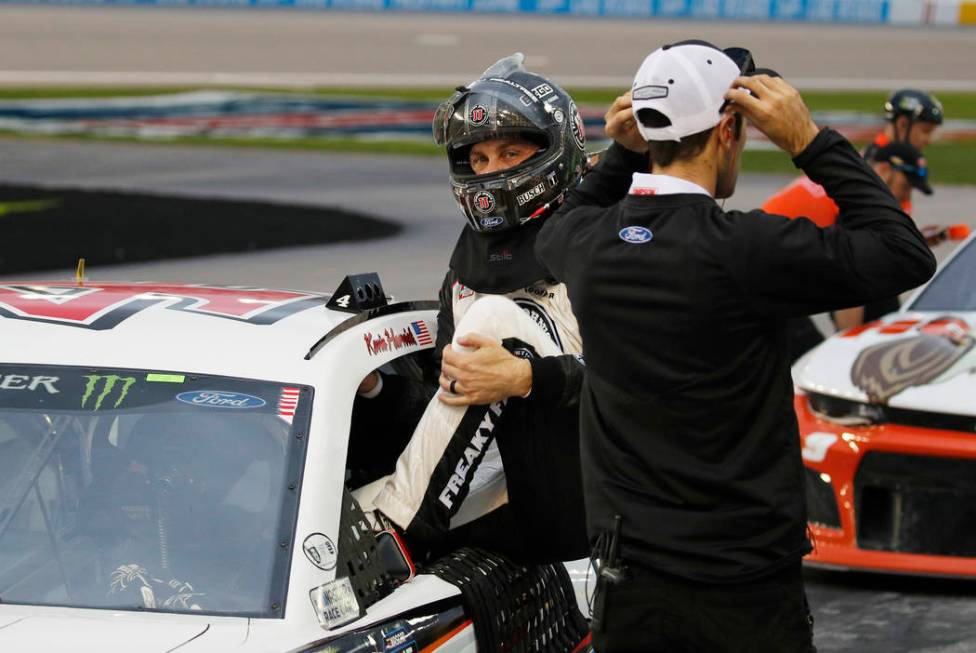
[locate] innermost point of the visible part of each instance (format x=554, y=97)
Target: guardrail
x=894, y=12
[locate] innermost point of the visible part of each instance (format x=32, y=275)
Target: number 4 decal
x=343, y=301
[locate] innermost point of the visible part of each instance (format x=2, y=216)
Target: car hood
x=917, y=361
x=83, y=631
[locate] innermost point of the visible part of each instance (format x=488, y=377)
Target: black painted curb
x=49, y=228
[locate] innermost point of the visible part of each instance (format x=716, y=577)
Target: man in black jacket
x=688, y=435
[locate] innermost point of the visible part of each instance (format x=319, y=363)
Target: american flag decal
x=288, y=403
x=419, y=329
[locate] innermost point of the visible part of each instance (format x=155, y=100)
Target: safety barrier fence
x=893, y=12
x=232, y=114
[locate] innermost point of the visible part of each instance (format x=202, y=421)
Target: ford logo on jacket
x=636, y=235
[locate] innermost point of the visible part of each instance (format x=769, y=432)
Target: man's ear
x=726, y=129
x=884, y=170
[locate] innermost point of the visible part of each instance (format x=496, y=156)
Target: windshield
x=141, y=490
x=954, y=288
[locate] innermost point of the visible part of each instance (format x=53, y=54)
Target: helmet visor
x=492, y=108
x=443, y=113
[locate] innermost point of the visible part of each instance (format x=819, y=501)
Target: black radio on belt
x=611, y=572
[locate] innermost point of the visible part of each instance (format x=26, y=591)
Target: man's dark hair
x=664, y=153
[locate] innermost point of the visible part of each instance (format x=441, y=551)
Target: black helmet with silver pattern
x=508, y=101
x=917, y=105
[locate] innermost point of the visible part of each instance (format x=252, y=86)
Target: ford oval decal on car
x=220, y=399
x=635, y=235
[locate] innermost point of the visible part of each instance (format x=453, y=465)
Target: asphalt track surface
x=855, y=613
x=153, y=45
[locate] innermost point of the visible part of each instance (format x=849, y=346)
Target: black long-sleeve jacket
x=687, y=423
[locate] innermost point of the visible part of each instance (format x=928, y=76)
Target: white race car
x=173, y=478
x=887, y=414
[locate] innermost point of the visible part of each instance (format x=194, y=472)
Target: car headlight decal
x=845, y=411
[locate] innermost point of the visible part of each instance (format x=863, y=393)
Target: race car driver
x=691, y=459
x=494, y=460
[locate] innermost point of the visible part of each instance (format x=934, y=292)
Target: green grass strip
x=949, y=163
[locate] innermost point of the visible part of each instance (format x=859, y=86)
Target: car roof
x=232, y=331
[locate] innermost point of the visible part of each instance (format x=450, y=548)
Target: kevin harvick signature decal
x=105, y=306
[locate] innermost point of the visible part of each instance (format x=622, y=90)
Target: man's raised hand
x=621, y=125
x=776, y=109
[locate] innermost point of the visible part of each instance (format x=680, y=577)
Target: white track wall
x=893, y=12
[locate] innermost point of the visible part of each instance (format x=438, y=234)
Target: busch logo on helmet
x=478, y=115
x=484, y=202
x=531, y=194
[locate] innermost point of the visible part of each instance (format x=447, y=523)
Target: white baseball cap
x=685, y=84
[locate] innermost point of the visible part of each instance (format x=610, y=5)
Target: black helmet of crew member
x=508, y=101
x=917, y=106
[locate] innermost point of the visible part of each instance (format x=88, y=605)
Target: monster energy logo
x=109, y=383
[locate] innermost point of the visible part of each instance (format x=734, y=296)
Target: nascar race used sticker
x=484, y=202
x=489, y=223
x=816, y=445
x=220, y=399
x=389, y=340
x=288, y=403
x=335, y=603
x=398, y=641
x=320, y=551
x=156, y=377
x=29, y=383
x=105, y=389
x=478, y=115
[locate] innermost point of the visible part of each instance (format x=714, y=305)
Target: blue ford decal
x=488, y=223
x=636, y=235
x=220, y=399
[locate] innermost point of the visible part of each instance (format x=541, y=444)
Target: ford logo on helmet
x=488, y=223
x=635, y=235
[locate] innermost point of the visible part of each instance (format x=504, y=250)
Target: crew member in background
x=911, y=117
x=902, y=168
x=689, y=441
x=494, y=460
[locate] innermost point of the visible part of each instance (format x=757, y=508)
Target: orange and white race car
x=887, y=416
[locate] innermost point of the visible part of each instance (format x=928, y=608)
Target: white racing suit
x=504, y=476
